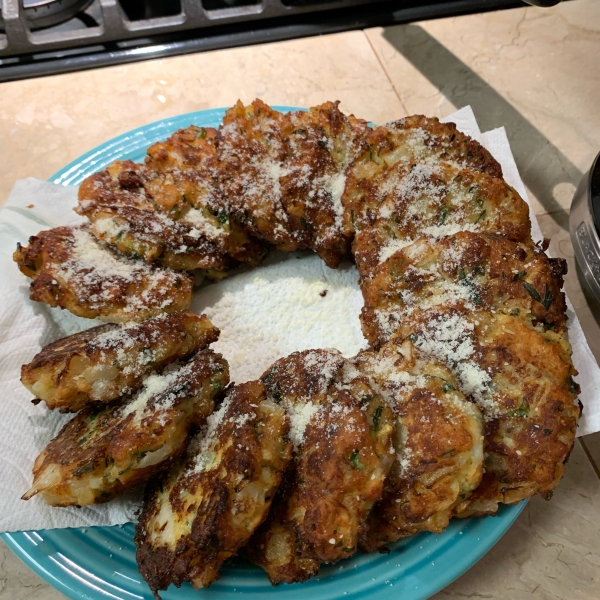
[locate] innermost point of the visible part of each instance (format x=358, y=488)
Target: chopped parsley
x=356, y=462
x=522, y=411
x=377, y=417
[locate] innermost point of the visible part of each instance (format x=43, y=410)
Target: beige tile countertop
x=535, y=71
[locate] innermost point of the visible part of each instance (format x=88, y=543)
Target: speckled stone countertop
x=535, y=71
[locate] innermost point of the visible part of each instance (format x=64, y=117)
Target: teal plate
x=97, y=563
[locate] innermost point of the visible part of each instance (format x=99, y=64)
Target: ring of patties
x=465, y=398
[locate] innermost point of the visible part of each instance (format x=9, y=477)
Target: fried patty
x=171, y=208
x=401, y=145
x=105, y=362
x=106, y=450
x=342, y=432
x=467, y=271
x=521, y=377
x=70, y=269
x=252, y=155
x=123, y=216
x=183, y=172
x=438, y=445
x=436, y=200
x=320, y=144
x=185, y=169
x=207, y=507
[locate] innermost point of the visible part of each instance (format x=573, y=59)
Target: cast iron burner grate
x=42, y=37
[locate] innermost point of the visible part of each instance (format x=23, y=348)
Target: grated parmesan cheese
x=95, y=274
x=449, y=339
x=202, y=226
x=300, y=416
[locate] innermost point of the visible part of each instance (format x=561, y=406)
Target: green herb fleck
x=377, y=417
x=448, y=454
x=572, y=385
x=532, y=291
x=547, y=299
x=475, y=295
x=547, y=431
x=356, y=462
x=519, y=275
x=522, y=411
x=473, y=290
x=515, y=312
x=481, y=216
x=306, y=224
x=85, y=469
x=223, y=217
x=269, y=376
x=443, y=214
x=448, y=387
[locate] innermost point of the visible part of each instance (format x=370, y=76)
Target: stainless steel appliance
x=584, y=222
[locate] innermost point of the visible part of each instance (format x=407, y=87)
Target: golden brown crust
x=206, y=508
x=163, y=218
x=105, y=362
x=189, y=173
x=170, y=209
x=252, y=154
x=401, y=145
x=342, y=432
x=446, y=141
x=435, y=201
x=73, y=271
x=108, y=449
x=320, y=144
x=189, y=148
x=521, y=377
x=277, y=546
x=467, y=270
x=439, y=445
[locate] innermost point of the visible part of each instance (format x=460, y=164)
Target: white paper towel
x=263, y=314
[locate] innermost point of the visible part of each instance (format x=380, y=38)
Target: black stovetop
x=94, y=33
